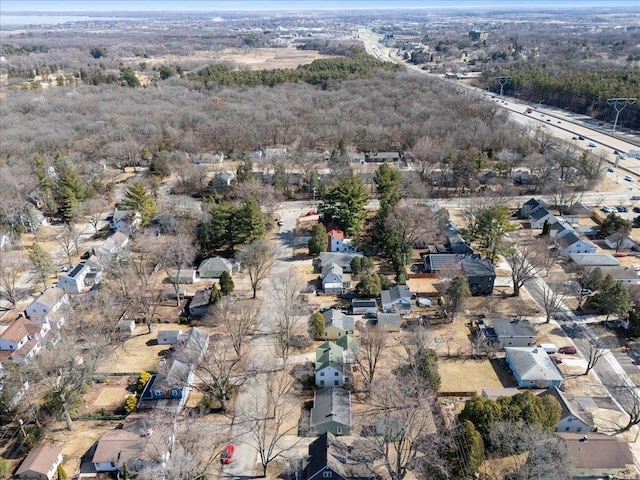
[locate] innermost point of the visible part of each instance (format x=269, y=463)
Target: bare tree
x=286, y=322
x=267, y=432
x=222, y=370
x=594, y=352
x=175, y=255
x=238, y=321
x=552, y=301
x=371, y=345
x=13, y=266
x=257, y=257
x=68, y=240
x=94, y=208
x=629, y=399
x=526, y=261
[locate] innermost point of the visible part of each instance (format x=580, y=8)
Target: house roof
x=340, y=258
x=476, y=267
x=395, y=293
x=442, y=261
x=617, y=237
x=339, y=320
x=505, y=327
x=594, y=259
x=119, y=215
x=620, y=273
x=118, y=446
x=328, y=452
x=77, y=270
x=193, y=343
x=533, y=364
x=559, y=226
x=389, y=319
x=18, y=329
x=201, y=298
x=596, y=451
x=569, y=407
x=334, y=232
x=567, y=240
x=348, y=343
x=331, y=405
x=329, y=355
x=533, y=202
x=458, y=244
x=216, y=264
x=119, y=238
x=539, y=213
x=332, y=268
x=51, y=296
x=40, y=459
x=363, y=303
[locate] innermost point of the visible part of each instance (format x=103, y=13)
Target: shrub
x=130, y=403
x=143, y=378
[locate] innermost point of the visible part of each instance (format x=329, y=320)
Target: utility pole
x=502, y=81
x=619, y=104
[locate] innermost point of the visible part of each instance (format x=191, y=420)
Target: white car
x=628, y=178
x=606, y=209
x=592, y=145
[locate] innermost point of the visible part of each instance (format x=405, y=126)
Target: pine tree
x=43, y=263
x=139, y=200
x=226, y=283
x=318, y=241
x=216, y=295
x=317, y=326
x=252, y=225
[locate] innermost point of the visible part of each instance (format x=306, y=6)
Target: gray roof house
x=222, y=180
x=594, y=259
x=618, y=241
x=332, y=279
x=530, y=205
x=331, y=411
x=624, y=275
x=339, y=258
x=533, y=367
x=199, y=305
x=574, y=417
x=538, y=216
x=514, y=332
x=82, y=277
x=396, y=299
x=571, y=243
x=215, y=266
x=360, y=306
x=337, y=324
x=389, y=321
x=480, y=275
x=184, y=276
x=329, y=458
x=168, y=337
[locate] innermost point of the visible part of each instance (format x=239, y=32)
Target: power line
x=619, y=104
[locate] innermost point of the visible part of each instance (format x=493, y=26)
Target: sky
x=8, y=6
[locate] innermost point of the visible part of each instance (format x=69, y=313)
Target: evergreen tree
x=427, y=364
x=43, y=263
x=138, y=199
x=456, y=295
x=466, y=452
x=318, y=240
x=345, y=203
x=317, y=327
x=546, y=228
x=369, y=286
x=244, y=172
x=40, y=170
x=252, y=225
x=489, y=229
x=612, y=299
x=226, y=283
x=216, y=295
x=388, y=180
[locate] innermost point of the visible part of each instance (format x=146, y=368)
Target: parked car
x=628, y=178
x=606, y=209
x=574, y=138
x=370, y=315
x=226, y=457
x=581, y=137
x=556, y=360
x=585, y=291
x=592, y=145
x=611, y=170
x=569, y=349
x=636, y=209
x=622, y=208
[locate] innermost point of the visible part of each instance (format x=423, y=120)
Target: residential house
x=41, y=463
x=82, y=277
x=209, y=157
x=183, y=276
x=457, y=244
x=331, y=411
x=329, y=366
x=533, y=367
x=142, y=442
x=168, y=337
x=443, y=262
x=595, y=455
x=540, y=215
x=339, y=258
x=109, y=249
x=222, y=180
x=571, y=243
x=199, y=305
x=330, y=459
x=51, y=307
x=362, y=306
x=559, y=228
x=169, y=388
x=214, y=267
x=349, y=348
x=337, y=243
x=126, y=327
x=618, y=241
x=586, y=260
x=514, y=332
x=337, y=324
x=396, y=299
x=125, y=221
x=389, y=321
x=624, y=275
x=274, y=153
x=530, y=205
x=574, y=417
x=480, y=274
x=333, y=279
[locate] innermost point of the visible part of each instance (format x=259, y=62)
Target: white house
x=624, y=275
x=215, y=266
x=337, y=243
x=22, y=337
x=330, y=366
x=50, y=307
x=396, y=299
x=538, y=216
x=82, y=277
x=41, y=463
x=571, y=243
x=332, y=279
x=574, y=417
x=125, y=221
x=533, y=367
x=618, y=241
x=184, y=276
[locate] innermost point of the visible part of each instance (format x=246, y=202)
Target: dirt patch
x=111, y=397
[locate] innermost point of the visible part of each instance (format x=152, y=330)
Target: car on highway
x=628, y=178
x=611, y=170
x=580, y=137
x=569, y=349
x=606, y=209
x=574, y=138
x=559, y=121
x=592, y=145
